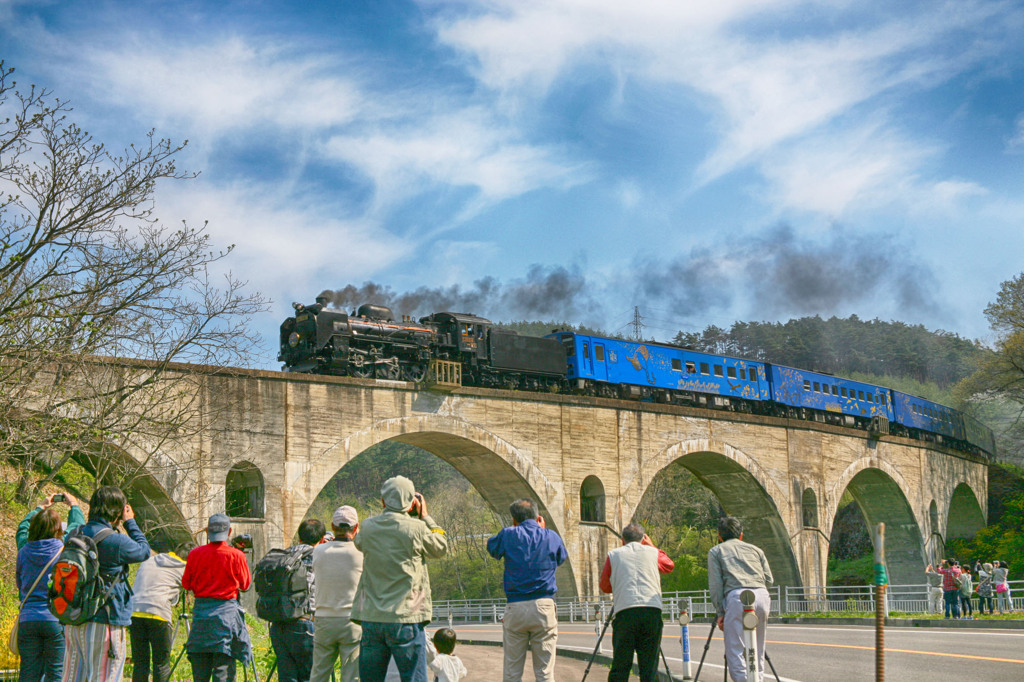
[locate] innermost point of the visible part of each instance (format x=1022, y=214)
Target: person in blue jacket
x=96, y=650
x=40, y=635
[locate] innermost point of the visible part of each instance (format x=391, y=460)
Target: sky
x=572, y=160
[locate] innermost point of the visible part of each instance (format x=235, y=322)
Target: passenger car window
x=718, y=370
x=807, y=385
x=599, y=353
x=817, y=387
x=731, y=372
x=691, y=368
x=860, y=395
x=835, y=390
x=676, y=364
x=705, y=368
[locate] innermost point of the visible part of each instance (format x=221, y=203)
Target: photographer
x=392, y=601
x=96, y=651
x=735, y=566
x=40, y=540
x=532, y=553
x=215, y=573
x=632, y=574
x=157, y=589
x=290, y=611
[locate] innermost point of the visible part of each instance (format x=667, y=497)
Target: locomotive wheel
x=414, y=372
x=388, y=370
x=359, y=367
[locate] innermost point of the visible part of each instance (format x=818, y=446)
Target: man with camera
x=392, y=602
x=338, y=566
x=286, y=598
x=735, y=566
x=631, y=574
x=215, y=573
x=532, y=553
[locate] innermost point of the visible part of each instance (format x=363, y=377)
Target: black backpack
x=282, y=584
x=77, y=590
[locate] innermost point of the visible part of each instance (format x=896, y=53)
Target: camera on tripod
x=242, y=542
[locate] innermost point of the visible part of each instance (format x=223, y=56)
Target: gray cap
x=397, y=493
x=219, y=527
x=345, y=516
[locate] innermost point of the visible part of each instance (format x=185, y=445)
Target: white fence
x=786, y=601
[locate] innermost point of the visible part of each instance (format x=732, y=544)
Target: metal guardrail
x=786, y=601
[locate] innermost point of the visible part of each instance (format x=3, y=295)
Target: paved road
x=808, y=653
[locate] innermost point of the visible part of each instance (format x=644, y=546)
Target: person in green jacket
x=75, y=516
x=392, y=601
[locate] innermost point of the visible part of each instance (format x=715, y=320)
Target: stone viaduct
x=280, y=438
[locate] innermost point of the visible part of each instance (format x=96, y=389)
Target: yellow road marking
x=905, y=651
x=853, y=646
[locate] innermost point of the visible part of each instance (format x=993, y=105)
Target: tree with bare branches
x=100, y=303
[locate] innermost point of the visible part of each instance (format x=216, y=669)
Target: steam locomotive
x=371, y=343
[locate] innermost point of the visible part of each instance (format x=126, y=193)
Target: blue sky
x=571, y=159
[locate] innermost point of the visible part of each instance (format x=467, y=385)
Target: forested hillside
x=845, y=347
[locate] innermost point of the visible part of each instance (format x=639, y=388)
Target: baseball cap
x=218, y=528
x=345, y=516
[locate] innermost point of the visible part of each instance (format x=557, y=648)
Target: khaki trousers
x=335, y=638
x=530, y=625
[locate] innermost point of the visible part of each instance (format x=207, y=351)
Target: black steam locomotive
x=371, y=343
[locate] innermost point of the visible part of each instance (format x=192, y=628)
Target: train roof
x=462, y=318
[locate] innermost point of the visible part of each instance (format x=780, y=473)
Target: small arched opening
x=809, y=507
x=592, y=500
x=244, y=492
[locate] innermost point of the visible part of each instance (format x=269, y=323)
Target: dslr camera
x=242, y=542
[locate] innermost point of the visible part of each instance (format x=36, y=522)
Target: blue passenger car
x=927, y=416
x=660, y=372
x=850, y=401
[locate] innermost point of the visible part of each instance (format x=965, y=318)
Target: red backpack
x=77, y=591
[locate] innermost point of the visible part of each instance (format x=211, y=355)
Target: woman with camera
x=96, y=650
x=40, y=539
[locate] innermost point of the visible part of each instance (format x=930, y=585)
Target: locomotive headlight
x=293, y=339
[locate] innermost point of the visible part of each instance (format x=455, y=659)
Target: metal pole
x=750, y=635
x=684, y=635
x=880, y=582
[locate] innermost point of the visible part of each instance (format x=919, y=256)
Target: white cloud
x=458, y=148
x=222, y=86
x=280, y=240
x=1015, y=144
x=765, y=89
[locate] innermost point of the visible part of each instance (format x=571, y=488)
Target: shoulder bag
x=12, y=642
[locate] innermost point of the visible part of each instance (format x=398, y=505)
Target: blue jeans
x=41, y=643
x=407, y=642
x=293, y=644
x=951, y=599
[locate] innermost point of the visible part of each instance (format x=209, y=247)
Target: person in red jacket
x=215, y=573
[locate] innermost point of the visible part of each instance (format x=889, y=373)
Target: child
x=447, y=667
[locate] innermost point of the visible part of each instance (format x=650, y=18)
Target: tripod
x=183, y=618
x=607, y=622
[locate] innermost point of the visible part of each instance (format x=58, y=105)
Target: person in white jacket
x=157, y=589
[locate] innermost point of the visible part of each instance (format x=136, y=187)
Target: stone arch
x=965, y=515
x=877, y=487
x=244, y=491
x=592, y=507
x=499, y=471
x=158, y=515
x=809, y=508
x=743, y=489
